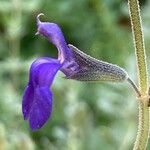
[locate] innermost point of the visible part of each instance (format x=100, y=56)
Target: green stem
x=139, y=45
x=134, y=87
x=143, y=127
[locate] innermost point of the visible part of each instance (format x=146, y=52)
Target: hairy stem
x=139, y=45
x=143, y=127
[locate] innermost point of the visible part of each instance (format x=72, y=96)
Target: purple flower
x=37, y=98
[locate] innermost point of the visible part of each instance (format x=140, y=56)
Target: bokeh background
x=86, y=116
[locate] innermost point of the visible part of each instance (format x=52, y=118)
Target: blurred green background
x=86, y=116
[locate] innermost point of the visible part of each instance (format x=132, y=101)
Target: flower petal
x=41, y=108
x=37, y=99
x=43, y=71
x=27, y=101
x=54, y=34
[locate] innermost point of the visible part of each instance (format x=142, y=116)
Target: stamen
x=38, y=18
